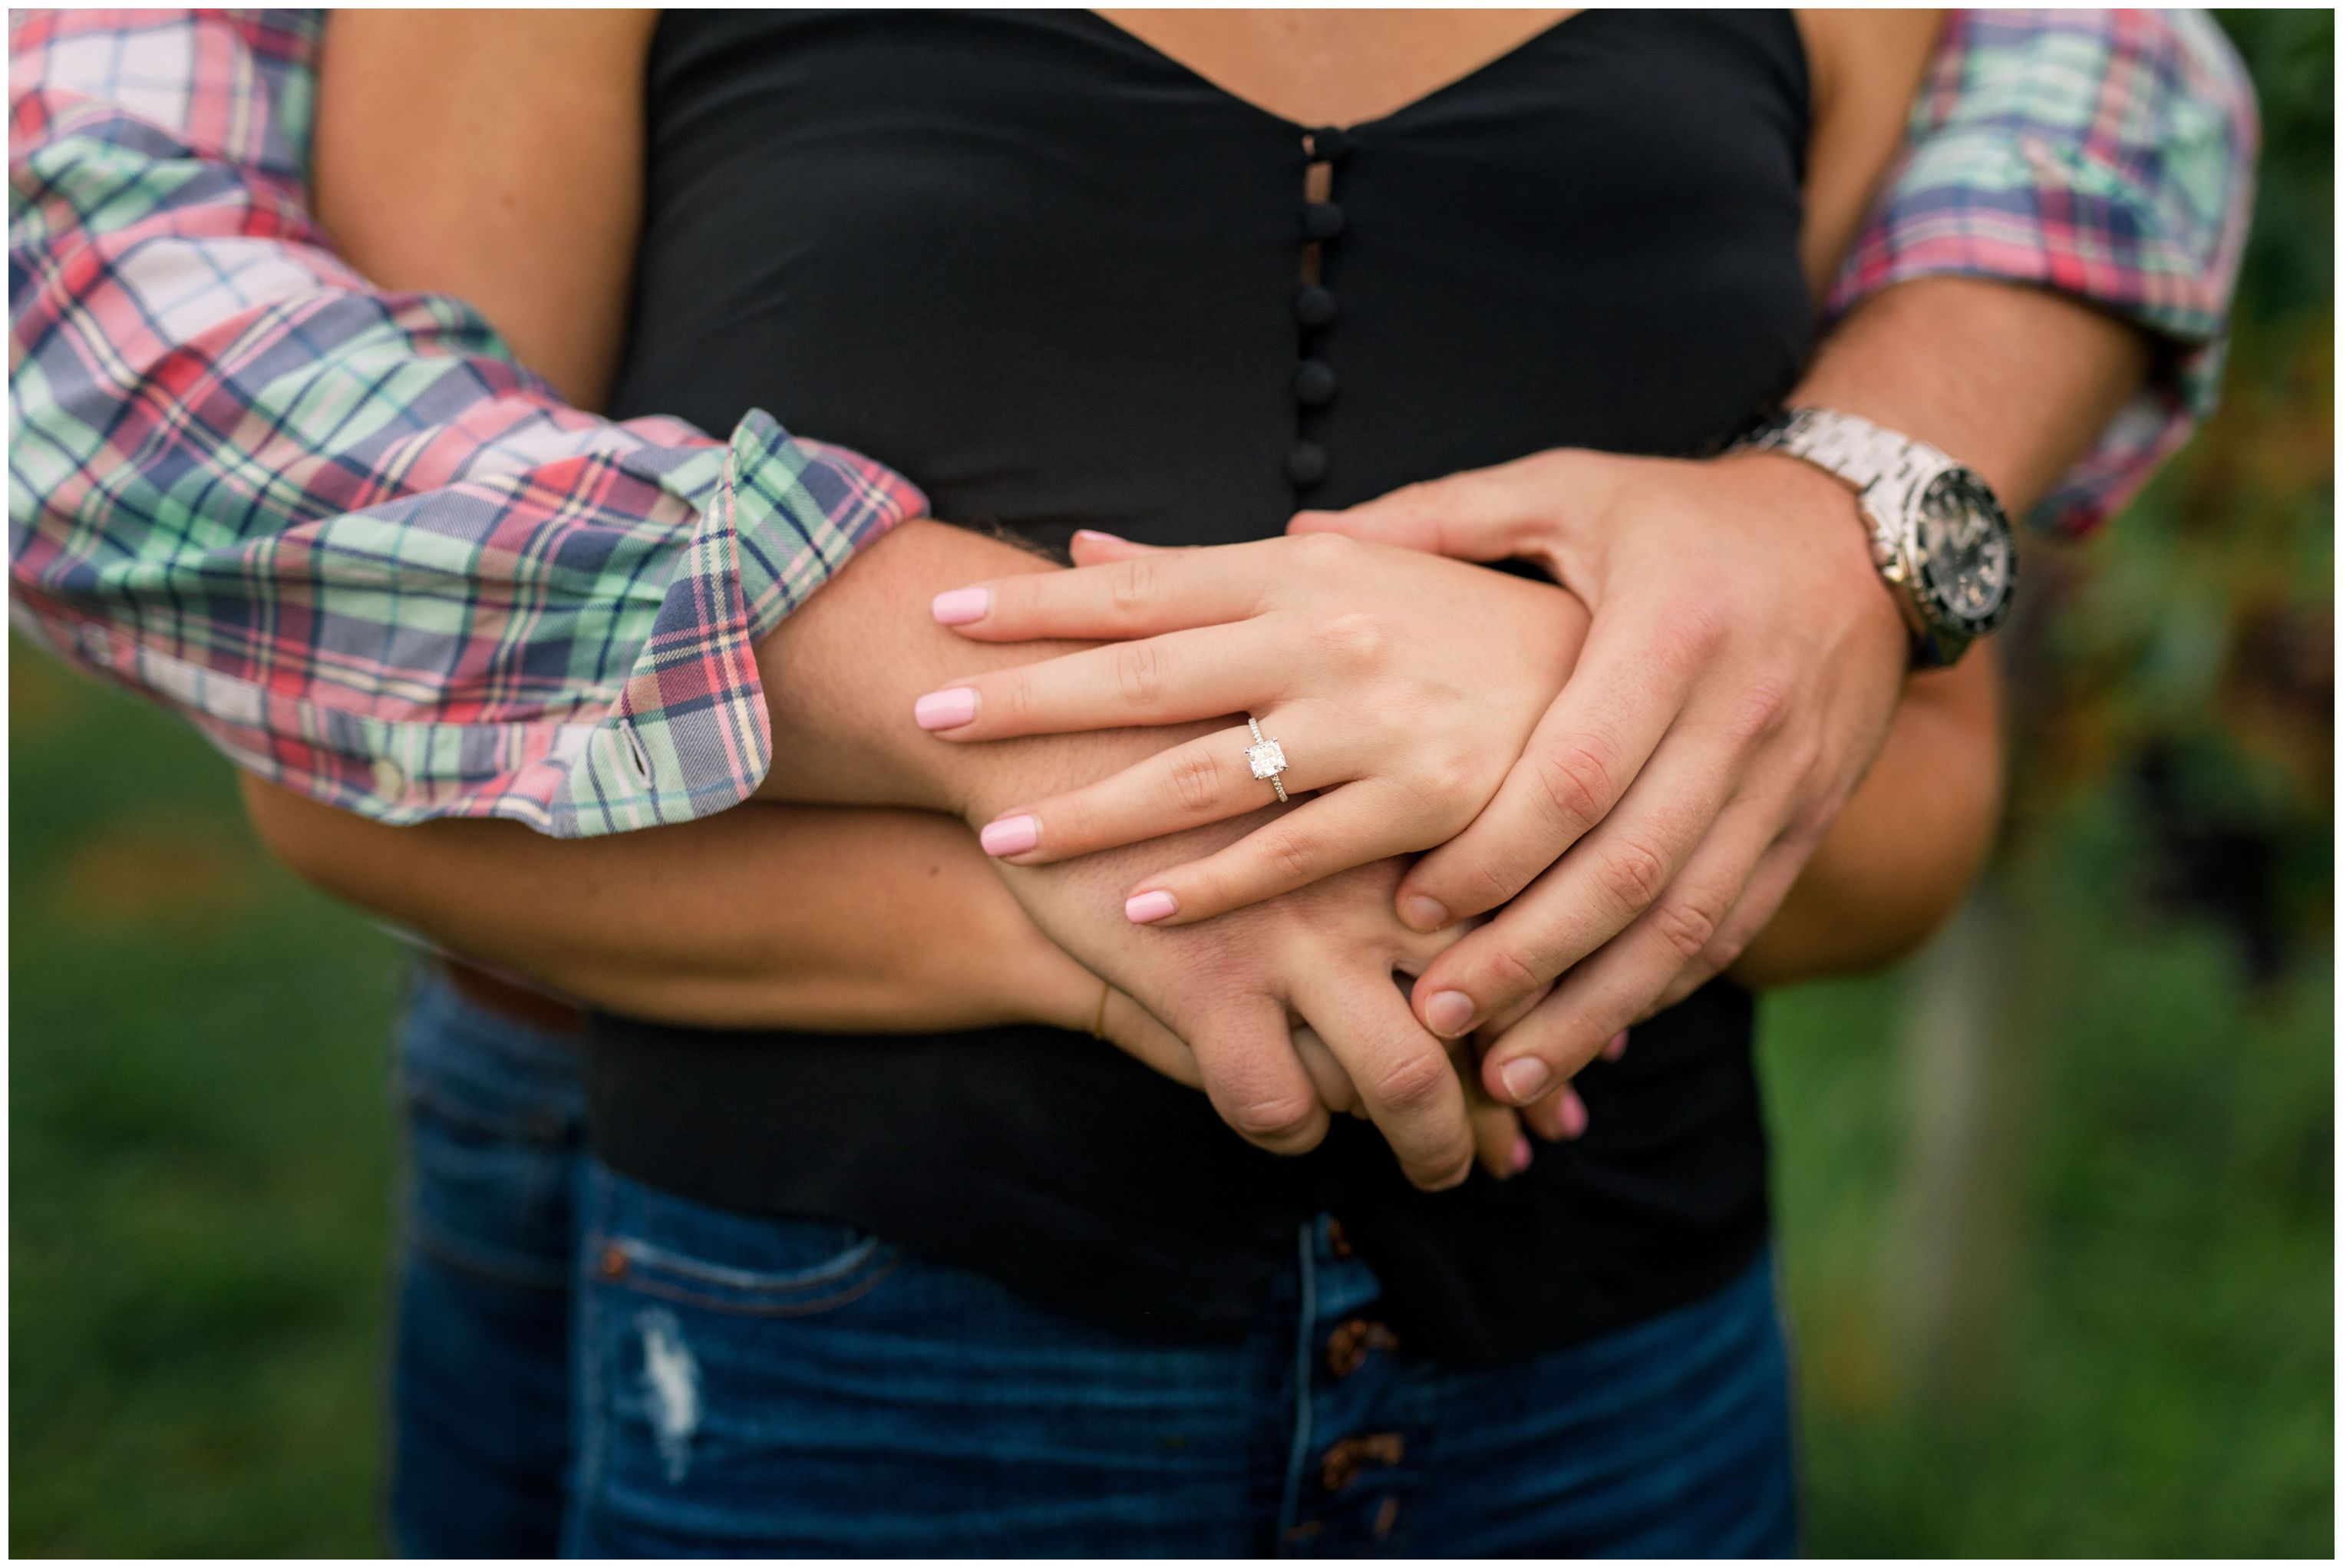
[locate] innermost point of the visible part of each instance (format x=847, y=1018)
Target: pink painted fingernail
x=1573, y=1114
x=1010, y=835
x=1104, y=539
x=1449, y=1013
x=962, y=605
x=1141, y=908
x=1422, y=914
x=1522, y=1155
x=1615, y=1047
x=1525, y=1078
x=945, y=709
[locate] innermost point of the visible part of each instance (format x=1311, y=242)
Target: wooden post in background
x=1962, y=1090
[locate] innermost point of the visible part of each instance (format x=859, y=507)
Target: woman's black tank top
x=1056, y=279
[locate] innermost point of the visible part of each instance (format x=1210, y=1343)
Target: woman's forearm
x=761, y=916
x=1901, y=855
x=843, y=672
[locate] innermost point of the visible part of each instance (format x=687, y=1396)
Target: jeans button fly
x=1345, y=1459
x=1347, y=1346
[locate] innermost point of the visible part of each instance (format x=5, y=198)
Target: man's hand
x=1741, y=672
x=1747, y=585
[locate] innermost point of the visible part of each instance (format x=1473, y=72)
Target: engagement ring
x=1267, y=758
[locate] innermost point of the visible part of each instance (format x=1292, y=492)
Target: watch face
x=1967, y=559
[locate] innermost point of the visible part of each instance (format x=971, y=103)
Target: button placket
x=1366, y=1408
x=1314, y=382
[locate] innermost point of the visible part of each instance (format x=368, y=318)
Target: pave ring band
x=1266, y=757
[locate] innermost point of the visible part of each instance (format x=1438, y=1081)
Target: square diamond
x=1268, y=759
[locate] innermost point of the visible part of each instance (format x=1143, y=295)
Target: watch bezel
x=1896, y=516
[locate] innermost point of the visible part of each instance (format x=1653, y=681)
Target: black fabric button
x=1321, y=219
x=1313, y=383
x=1330, y=143
x=1313, y=306
x=1306, y=463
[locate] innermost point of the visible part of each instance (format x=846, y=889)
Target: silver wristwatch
x=1937, y=534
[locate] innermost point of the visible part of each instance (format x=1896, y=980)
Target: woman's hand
x=1742, y=669
x=1399, y=688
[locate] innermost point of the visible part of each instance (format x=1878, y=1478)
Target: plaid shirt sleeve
x=376, y=561
x=343, y=531
x=2107, y=154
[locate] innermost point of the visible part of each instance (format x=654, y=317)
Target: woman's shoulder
x=1865, y=68
x=1855, y=56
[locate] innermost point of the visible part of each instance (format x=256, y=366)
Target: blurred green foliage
x=199, y=1155
x=2154, y=1375
x=202, y=1142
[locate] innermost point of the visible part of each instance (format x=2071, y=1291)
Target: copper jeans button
x=1347, y=1346
x=1345, y=1459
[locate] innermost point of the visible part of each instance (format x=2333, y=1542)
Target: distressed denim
x=754, y=1386
x=495, y=1139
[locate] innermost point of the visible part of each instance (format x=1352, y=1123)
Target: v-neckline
x=1172, y=62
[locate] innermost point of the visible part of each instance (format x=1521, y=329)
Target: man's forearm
x=2017, y=382
x=347, y=626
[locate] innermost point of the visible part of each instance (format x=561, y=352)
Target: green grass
x=200, y=1156
x=2154, y=1372
x=202, y=1148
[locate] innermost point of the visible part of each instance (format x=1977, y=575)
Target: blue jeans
x=752, y=1386
x=748, y=1384
x=495, y=1143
